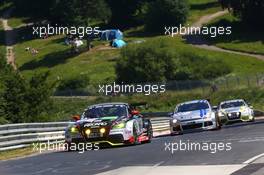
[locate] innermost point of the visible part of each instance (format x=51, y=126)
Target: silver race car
x=109, y=124
x=196, y=114
x=235, y=110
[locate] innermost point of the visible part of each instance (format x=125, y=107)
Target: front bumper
x=113, y=140
x=206, y=124
x=234, y=117
x=114, y=137
x=175, y=128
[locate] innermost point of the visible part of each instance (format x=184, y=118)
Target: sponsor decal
x=95, y=124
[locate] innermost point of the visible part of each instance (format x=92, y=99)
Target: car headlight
x=229, y=114
x=102, y=130
x=221, y=114
x=73, y=129
x=87, y=131
x=119, y=125
x=174, y=121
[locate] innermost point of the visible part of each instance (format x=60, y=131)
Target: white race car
x=235, y=110
x=196, y=114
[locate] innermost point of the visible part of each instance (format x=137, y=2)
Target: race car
x=196, y=114
x=109, y=124
x=235, y=111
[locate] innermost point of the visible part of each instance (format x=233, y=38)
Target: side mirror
x=76, y=117
x=135, y=112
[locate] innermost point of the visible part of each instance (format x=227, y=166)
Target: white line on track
x=253, y=159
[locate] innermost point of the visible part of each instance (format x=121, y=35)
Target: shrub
x=157, y=61
x=163, y=13
x=150, y=62
x=74, y=83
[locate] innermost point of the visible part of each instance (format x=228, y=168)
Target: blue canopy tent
x=118, y=43
x=111, y=35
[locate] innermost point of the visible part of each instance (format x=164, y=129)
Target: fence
x=13, y=136
x=203, y=86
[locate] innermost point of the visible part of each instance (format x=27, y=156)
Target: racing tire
x=218, y=124
x=149, y=133
x=253, y=120
x=136, y=142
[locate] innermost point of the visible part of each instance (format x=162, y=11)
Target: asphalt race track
x=247, y=141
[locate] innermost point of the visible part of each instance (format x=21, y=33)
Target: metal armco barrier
x=13, y=136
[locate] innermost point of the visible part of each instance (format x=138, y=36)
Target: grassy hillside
x=243, y=38
x=202, y=7
x=99, y=64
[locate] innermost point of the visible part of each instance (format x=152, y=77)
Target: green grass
x=241, y=65
x=66, y=107
x=5, y=155
x=200, y=8
x=244, y=38
x=17, y=21
x=54, y=57
x=99, y=64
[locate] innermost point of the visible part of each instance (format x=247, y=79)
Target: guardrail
x=21, y=135
x=13, y=136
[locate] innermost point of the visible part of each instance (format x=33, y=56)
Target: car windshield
x=192, y=107
x=106, y=111
x=232, y=104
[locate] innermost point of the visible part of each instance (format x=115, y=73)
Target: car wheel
x=218, y=124
x=150, y=133
x=136, y=142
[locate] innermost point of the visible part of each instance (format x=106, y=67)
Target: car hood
x=231, y=110
x=191, y=115
x=97, y=122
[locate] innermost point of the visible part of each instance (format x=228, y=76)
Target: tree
x=163, y=13
x=22, y=100
x=79, y=12
x=124, y=11
x=249, y=11
x=33, y=8
x=37, y=97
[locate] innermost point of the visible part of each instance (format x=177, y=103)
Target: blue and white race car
x=111, y=124
x=196, y=114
